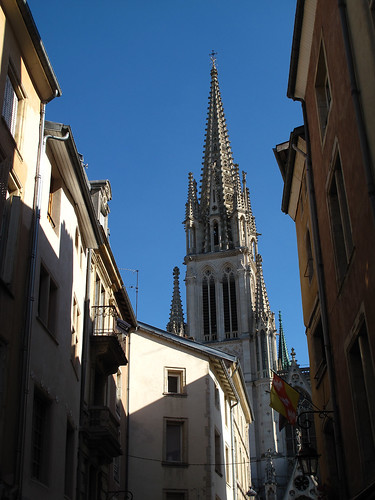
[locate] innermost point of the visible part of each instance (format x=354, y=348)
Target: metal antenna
x=132, y=286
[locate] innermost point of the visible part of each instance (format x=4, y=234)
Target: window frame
x=180, y=375
x=218, y=452
x=323, y=92
x=48, y=300
x=167, y=493
x=40, y=433
x=339, y=218
x=230, y=314
x=361, y=370
x=209, y=309
x=13, y=91
x=181, y=424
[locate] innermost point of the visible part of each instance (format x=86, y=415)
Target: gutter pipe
x=231, y=406
x=85, y=348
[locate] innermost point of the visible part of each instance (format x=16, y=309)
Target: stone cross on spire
x=213, y=58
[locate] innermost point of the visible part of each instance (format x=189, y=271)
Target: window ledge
x=14, y=142
x=175, y=464
x=322, y=368
x=175, y=394
x=47, y=330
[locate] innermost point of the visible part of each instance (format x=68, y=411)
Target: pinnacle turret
x=176, y=323
x=283, y=356
x=263, y=311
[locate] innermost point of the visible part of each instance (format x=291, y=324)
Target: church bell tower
x=226, y=297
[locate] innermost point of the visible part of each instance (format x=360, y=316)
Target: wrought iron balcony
x=107, y=321
x=108, y=339
x=102, y=431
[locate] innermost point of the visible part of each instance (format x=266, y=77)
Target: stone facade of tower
x=227, y=303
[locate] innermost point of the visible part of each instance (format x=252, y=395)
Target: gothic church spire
x=221, y=218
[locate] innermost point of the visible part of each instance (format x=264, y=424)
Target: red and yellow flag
x=284, y=399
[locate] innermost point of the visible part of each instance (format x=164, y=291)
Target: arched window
x=263, y=345
x=310, y=263
x=253, y=250
x=243, y=231
x=209, y=307
x=191, y=239
x=216, y=233
x=257, y=354
x=230, y=304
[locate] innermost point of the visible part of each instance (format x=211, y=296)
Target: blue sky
x=135, y=77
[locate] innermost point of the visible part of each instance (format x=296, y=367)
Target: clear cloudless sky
x=135, y=79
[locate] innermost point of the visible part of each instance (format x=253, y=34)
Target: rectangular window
x=363, y=382
x=47, y=301
x=175, y=441
x=322, y=92
x=320, y=361
x=3, y=371
x=75, y=329
x=218, y=460
x=39, y=438
x=340, y=222
x=372, y=10
x=69, y=461
x=227, y=464
x=116, y=469
x=175, y=495
x=309, y=271
x=9, y=234
x=10, y=106
x=118, y=392
x=174, y=380
x=217, y=397
x=54, y=202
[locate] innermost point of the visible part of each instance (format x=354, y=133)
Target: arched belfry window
x=230, y=304
x=253, y=250
x=209, y=307
x=215, y=233
x=264, y=348
x=243, y=231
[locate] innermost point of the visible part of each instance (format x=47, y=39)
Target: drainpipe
x=25, y=349
x=355, y=92
x=85, y=354
x=233, y=451
x=26, y=341
x=323, y=306
x=127, y=438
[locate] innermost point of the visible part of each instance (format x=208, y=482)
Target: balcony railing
x=107, y=321
x=102, y=431
x=108, y=338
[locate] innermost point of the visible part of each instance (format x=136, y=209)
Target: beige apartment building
x=104, y=398
x=189, y=417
